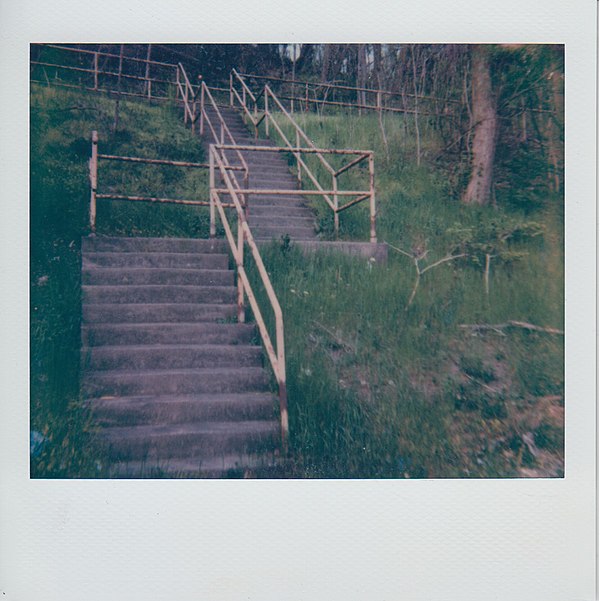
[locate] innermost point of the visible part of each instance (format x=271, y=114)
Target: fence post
x=95, y=71
x=267, y=111
x=373, y=213
x=298, y=167
x=211, y=183
x=177, y=83
x=201, y=106
x=241, y=313
x=230, y=89
x=336, y=215
x=93, y=164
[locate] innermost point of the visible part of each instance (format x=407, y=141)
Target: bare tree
x=479, y=190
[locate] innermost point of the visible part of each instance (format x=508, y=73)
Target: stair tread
x=143, y=431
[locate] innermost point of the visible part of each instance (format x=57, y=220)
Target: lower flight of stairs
x=175, y=385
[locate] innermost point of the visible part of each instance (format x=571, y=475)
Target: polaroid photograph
x=300, y=302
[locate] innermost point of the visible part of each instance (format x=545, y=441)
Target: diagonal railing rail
x=249, y=103
x=275, y=352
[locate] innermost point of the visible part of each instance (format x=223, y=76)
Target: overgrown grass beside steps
x=377, y=387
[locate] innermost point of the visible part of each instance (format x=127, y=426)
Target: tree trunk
x=484, y=139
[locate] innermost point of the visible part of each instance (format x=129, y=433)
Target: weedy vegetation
x=389, y=374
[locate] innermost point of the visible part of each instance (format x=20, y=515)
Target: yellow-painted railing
x=249, y=103
x=275, y=352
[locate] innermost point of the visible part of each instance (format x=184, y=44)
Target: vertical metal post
x=231, y=89
x=95, y=71
x=177, y=82
x=211, y=180
x=185, y=104
x=244, y=95
x=281, y=380
x=93, y=180
x=336, y=216
x=267, y=111
x=148, y=84
x=202, y=108
x=372, y=210
x=241, y=313
x=298, y=167
x=246, y=196
x=306, y=100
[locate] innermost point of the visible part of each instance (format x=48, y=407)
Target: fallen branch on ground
x=510, y=324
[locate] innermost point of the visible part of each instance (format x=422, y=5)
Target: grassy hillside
x=61, y=126
x=379, y=385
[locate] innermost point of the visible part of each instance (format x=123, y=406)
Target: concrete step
x=202, y=441
x=179, y=245
x=295, y=197
x=129, y=294
x=175, y=381
x=266, y=464
x=157, y=275
x=156, y=312
x=167, y=333
x=151, y=409
x=155, y=259
x=170, y=356
x=282, y=221
x=283, y=211
x=275, y=232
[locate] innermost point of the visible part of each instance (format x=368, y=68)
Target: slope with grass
x=380, y=384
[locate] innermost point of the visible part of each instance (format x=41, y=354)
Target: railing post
x=298, y=167
x=201, y=108
x=231, y=89
x=241, y=313
x=211, y=183
x=306, y=100
x=267, y=111
x=185, y=104
x=245, y=196
x=95, y=71
x=336, y=215
x=177, y=83
x=93, y=180
x=372, y=210
x=149, y=88
x=281, y=377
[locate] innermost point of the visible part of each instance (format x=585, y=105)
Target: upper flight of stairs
x=174, y=384
x=269, y=216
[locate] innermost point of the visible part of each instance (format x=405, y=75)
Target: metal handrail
x=276, y=354
x=331, y=197
x=93, y=175
x=224, y=131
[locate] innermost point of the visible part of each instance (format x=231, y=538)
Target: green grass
x=61, y=126
x=377, y=387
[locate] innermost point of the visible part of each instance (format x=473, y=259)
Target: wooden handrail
x=276, y=355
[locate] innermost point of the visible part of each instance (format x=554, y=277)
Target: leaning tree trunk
x=479, y=190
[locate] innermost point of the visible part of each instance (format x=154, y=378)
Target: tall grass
x=61, y=126
x=378, y=386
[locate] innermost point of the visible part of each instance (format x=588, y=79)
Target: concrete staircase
x=270, y=216
x=175, y=385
